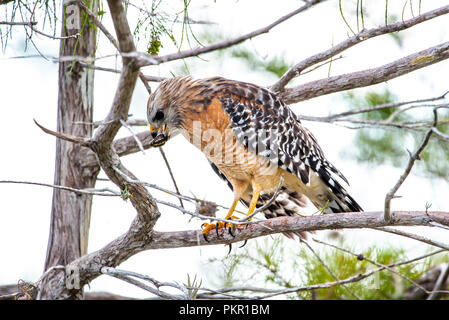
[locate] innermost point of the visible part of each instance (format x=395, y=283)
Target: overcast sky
x=28, y=89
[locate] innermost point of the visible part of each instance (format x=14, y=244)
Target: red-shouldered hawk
x=253, y=141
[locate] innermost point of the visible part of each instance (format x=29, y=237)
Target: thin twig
x=14, y=23
x=127, y=276
x=145, y=82
x=95, y=192
x=413, y=236
x=98, y=23
x=363, y=257
x=438, y=225
x=154, y=78
x=413, y=157
x=390, y=105
x=31, y=25
x=440, y=134
x=167, y=164
x=139, y=143
x=328, y=269
x=86, y=142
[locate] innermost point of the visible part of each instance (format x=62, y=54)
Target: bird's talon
x=206, y=228
x=216, y=229
x=244, y=243
x=230, y=232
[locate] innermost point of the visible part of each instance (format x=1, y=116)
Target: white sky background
x=28, y=89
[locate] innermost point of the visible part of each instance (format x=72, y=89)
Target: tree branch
x=95, y=192
x=146, y=60
x=296, y=224
x=98, y=23
x=414, y=237
x=331, y=118
x=413, y=157
x=356, y=39
x=363, y=257
x=85, y=142
x=101, y=144
x=430, y=280
x=366, y=77
x=14, y=23
x=440, y=283
x=137, y=240
x=277, y=292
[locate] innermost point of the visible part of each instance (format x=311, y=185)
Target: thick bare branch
x=296, y=224
x=101, y=145
x=137, y=240
x=146, y=60
x=120, y=107
x=103, y=138
x=367, y=77
x=357, y=38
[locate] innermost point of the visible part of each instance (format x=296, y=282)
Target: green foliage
x=398, y=38
x=284, y=264
x=436, y=155
x=154, y=26
x=386, y=145
x=193, y=285
x=382, y=285
x=151, y=27
x=357, y=11
x=378, y=145
x=45, y=11
x=275, y=65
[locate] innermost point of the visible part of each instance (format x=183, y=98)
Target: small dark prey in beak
x=159, y=140
x=159, y=135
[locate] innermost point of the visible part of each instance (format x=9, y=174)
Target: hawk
x=253, y=141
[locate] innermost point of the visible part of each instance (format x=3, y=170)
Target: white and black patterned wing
x=267, y=127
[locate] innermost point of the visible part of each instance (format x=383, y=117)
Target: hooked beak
x=160, y=135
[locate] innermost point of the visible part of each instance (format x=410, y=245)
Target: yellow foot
x=207, y=227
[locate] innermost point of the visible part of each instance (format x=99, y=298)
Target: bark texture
x=70, y=215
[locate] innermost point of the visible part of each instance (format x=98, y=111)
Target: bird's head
x=164, y=110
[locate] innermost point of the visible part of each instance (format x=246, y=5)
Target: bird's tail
x=339, y=199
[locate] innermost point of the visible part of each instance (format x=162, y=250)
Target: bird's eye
x=158, y=116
